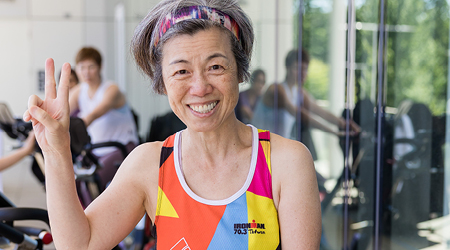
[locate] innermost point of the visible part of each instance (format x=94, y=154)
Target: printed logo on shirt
x=250, y=228
x=181, y=245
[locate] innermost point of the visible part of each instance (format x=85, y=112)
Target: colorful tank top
x=246, y=220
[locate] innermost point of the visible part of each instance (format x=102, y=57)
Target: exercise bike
x=20, y=237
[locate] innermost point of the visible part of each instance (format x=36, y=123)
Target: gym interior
x=383, y=64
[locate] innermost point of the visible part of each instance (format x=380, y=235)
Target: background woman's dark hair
x=292, y=57
x=73, y=73
x=149, y=57
x=255, y=74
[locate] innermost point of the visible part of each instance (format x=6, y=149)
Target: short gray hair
x=149, y=57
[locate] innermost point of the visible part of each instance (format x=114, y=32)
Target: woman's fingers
x=42, y=117
x=37, y=114
x=32, y=101
x=63, y=88
x=26, y=116
x=50, y=84
x=50, y=116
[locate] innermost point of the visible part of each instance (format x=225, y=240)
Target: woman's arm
x=73, y=98
x=296, y=194
x=313, y=107
x=310, y=107
x=112, y=99
x=50, y=118
x=313, y=122
x=19, y=154
x=284, y=102
x=133, y=191
x=112, y=215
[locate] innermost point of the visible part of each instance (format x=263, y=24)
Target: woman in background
x=104, y=110
x=249, y=98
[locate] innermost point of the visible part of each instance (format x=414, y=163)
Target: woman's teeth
x=204, y=108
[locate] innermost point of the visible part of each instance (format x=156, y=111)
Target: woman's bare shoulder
x=288, y=150
x=291, y=163
x=148, y=152
x=143, y=161
x=74, y=92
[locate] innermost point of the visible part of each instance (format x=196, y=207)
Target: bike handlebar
x=118, y=145
x=19, y=213
x=18, y=238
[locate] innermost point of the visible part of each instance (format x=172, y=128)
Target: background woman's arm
x=285, y=103
x=112, y=99
x=19, y=154
x=312, y=106
x=73, y=98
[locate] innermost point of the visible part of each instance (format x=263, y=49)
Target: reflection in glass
x=416, y=88
x=413, y=77
x=324, y=37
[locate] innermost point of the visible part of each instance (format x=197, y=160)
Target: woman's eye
x=182, y=72
x=216, y=67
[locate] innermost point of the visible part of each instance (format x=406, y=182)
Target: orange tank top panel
x=246, y=220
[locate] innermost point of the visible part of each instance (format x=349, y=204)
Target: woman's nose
x=200, y=85
x=83, y=71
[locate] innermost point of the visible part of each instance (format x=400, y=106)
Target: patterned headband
x=198, y=12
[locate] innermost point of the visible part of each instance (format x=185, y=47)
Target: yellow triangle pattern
x=165, y=207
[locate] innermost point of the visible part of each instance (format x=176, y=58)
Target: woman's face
x=88, y=71
x=293, y=71
x=258, y=84
x=201, y=79
x=305, y=66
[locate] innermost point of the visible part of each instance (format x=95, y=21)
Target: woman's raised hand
x=50, y=117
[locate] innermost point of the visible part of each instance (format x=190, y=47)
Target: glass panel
x=325, y=89
x=348, y=207
x=323, y=22
x=323, y=76
x=362, y=155
x=416, y=91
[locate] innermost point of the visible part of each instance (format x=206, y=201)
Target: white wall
x=140, y=96
x=15, y=64
x=31, y=32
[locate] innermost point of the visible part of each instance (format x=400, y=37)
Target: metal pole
x=380, y=118
x=350, y=63
x=299, y=103
x=275, y=92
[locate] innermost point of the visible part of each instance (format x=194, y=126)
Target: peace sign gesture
x=51, y=117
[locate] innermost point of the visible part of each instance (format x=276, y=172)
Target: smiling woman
x=201, y=85
x=219, y=184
